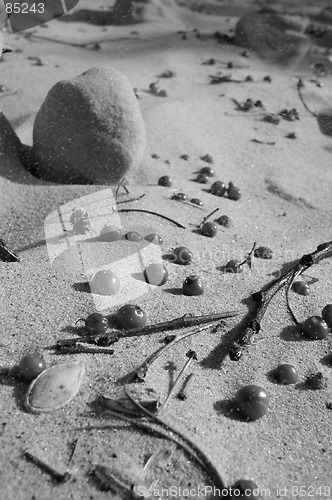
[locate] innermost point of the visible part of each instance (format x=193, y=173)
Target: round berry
x=218, y=188
x=182, y=256
x=105, y=282
x=156, y=274
x=314, y=328
x=165, y=181
x=233, y=192
x=133, y=236
x=202, y=178
x=286, y=374
x=300, y=287
x=96, y=323
x=180, y=197
x=207, y=171
x=209, y=229
x=193, y=285
x=131, y=316
x=224, y=220
x=245, y=488
x=252, y=401
x=110, y=233
x=233, y=266
x=196, y=201
x=31, y=365
x=327, y=314
x=154, y=238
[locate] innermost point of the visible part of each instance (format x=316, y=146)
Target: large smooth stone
x=89, y=130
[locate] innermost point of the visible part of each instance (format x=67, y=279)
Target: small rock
x=89, y=129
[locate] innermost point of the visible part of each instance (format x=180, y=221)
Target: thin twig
x=131, y=199
x=141, y=371
x=300, y=84
x=174, y=324
x=165, y=433
x=266, y=294
x=6, y=94
x=6, y=255
x=209, y=215
x=208, y=466
x=191, y=355
x=178, y=224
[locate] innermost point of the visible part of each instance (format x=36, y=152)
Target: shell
x=54, y=387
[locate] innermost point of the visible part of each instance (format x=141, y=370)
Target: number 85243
x=24, y=8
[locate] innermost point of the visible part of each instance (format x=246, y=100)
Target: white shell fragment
x=146, y=396
x=54, y=387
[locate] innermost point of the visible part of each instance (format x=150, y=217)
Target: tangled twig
x=263, y=297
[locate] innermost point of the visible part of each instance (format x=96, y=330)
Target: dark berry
x=133, y=236
x=327, y=314
x=209, y=229
x=291, y=135
x=207, y=171
x=96, y=323
x=207, y=158
x=182, y=256
x=193, y=285
x=249, y=78
x=263, y=253
x=218, y=188
x=224, y=220
x=252, y=401
x=286, y=374
x=267, y=78
x=154, y=238
x=165, y=181
x=31, y=365
x=105, y=282
x=244, y=488
x=258, y=104
x=196, y=201
x=155, y=156
x=180, y=196
x=300, y=287
x=233, y=192
x=202, y=178
x=110, y=233
x=314, y=328
x=184, y=157
x=131, y=316
x=233, y=266
x=156, y=274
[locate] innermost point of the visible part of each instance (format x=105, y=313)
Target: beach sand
x=285, y=205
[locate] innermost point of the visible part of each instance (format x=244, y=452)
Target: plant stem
x=178, y=224
x=300, y=84
x=208, y=466
x=263, y=297
x=191, y=355
x=141, y=371
x=174, y=324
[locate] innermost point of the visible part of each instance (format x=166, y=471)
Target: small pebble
x=267, y=78
x=316, y=381
x=184, y=157
x=207, y=158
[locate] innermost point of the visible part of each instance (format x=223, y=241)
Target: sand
x=285, y=205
